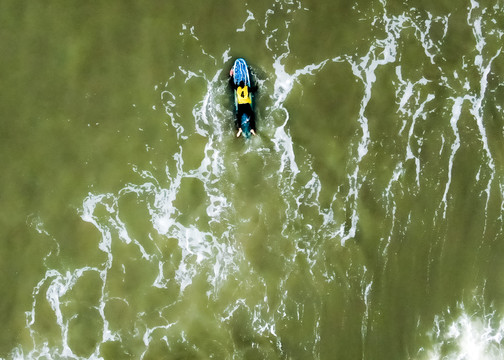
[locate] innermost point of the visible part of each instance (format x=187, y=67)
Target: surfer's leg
x=237, y=120
x=239, y=114
x=251, y=114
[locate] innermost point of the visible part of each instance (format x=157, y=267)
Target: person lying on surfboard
x=239, y=80
x=244, y=106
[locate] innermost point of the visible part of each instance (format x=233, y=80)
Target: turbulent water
x=365, y=221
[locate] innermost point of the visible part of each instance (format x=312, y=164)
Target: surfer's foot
x=239, y=132
x=253, y=132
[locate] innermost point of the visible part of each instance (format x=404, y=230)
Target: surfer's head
x=242, y=84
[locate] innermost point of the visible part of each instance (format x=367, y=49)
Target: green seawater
x=365, y=221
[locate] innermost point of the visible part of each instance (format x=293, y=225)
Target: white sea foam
x=484, y=67
x=456, y=110
x=249, y=18
x=466, y=336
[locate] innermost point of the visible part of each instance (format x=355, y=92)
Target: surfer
x=244, y=104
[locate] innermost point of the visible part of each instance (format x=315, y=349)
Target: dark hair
x=242, y=84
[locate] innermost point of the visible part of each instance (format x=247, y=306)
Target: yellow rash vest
x=243, y=95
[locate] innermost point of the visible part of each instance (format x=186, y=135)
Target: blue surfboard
x=241, y=73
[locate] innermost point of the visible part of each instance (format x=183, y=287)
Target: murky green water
x=364, y=222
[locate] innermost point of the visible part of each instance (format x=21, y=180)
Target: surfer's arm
x=232, y=84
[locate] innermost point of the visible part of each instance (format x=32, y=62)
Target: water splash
x=466, y=336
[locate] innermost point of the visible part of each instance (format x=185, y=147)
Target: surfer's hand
x=239, y=132
x=253, y=132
